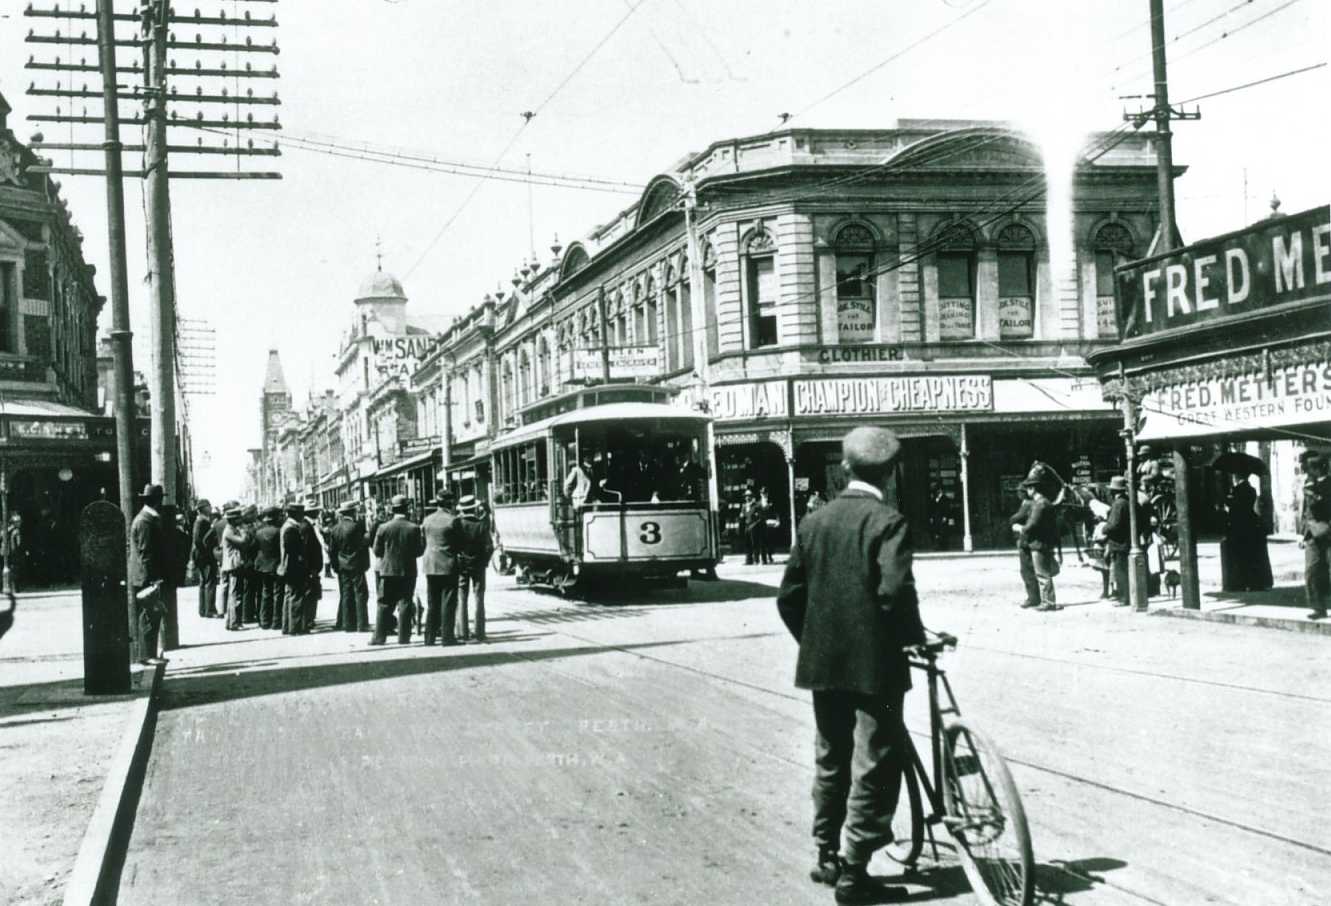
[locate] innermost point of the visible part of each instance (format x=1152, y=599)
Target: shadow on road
x=1053, y=880
x=184, y=690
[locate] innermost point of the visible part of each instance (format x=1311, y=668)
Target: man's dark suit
x=314, y=565
x=397, y=544
x=294, y=571
x=441, y=575
x=848, y=597
x=146, y=566
x=350, y=553
x=205, y=566
x=1118, y=539
x=266, y=559
x=473, y=558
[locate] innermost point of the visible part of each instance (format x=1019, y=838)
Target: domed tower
x=381, y=298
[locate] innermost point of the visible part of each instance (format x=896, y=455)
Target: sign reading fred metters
x=886, y=395
x=1281, y=260
x=1288, y=396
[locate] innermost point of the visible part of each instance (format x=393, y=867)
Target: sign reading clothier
x=1294, y=395
x=883, y=395
x=1283, y=260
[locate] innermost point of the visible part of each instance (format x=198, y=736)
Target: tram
x=604, y=484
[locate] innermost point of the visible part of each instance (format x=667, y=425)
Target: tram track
x=1068, y=776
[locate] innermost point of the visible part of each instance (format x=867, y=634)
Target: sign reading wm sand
x=1282, y=261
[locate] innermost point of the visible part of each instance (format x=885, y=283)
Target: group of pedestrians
x=758, y=517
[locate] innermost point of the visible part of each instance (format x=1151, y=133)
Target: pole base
x=1138, y=581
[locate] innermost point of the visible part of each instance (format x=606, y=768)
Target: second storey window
x=1016, y=283
x=956, y=284
x=1113, y=246
x=855, y=302
x=762, y=290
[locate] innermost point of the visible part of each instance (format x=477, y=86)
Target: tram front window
x=638, y=465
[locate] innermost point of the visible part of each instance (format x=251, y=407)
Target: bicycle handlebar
x=934, y=646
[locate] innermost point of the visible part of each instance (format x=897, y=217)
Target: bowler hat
x=232, y=512
x=1118, y=483
x=202, y=504
x=399, y=502
x=153, y=492
x=312, y=505
x=272, y=512
x=348, y=507
x=250, y=512
x=869, y=447
x=295, y=506
x=445, y=498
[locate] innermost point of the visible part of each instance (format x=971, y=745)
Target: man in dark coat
x=349, y=552
x=267, y=556
x=441, y=574
x=294, y=570
x=848, y=597
x=751, y=519
x=397, y=544
x=1037, y=539
x=147, y=567
x=1118, y=538
x=249, y=553
x=474, y=548
x=1314, y=521
x=314, y=560
x=205, y=559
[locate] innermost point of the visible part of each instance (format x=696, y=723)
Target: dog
x=1171, y=582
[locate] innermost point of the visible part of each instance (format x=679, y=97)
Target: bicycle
x=973, y=799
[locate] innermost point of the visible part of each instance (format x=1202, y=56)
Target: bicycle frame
x=930, y=783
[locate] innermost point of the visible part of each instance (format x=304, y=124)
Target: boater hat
x=348, y=507
x=1118, y=483
x=467, y=504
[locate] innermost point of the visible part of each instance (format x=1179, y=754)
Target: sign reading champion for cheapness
x=888, y=395
x=1278, y=261
x=1289, y=396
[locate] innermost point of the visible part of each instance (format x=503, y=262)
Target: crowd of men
x=268, y=566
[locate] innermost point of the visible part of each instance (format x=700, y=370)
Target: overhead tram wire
x=527, y=117
x=1234, y=88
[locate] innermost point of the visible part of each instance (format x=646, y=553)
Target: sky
x=622, y=90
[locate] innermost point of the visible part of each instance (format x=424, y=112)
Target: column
x=1187, y=543
x=967, y=543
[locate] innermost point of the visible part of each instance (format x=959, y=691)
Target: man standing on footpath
x=292, y=568
x=848, y=597
x=441, y=574
x=267, y=556
x=1316, y=532
x=397, y=544
x=235, y=537
x=349, y=552
x=147, y=567
x=1117, y=530
x=474, y=548
x=1037, y=539
x=205, y=559
x=314, y=562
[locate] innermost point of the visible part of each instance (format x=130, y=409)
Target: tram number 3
x=650, y=533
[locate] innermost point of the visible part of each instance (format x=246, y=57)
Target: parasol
x=1238, y=463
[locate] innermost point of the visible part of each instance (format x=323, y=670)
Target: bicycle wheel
x=986, y=819
x=907, y=822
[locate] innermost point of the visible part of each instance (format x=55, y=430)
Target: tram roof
x=610, y=412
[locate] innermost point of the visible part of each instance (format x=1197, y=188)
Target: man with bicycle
x=848, y=597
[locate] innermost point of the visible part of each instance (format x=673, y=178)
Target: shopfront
x=1224, y=343
x=468, y=472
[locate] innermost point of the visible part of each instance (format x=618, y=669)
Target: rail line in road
x=1034, y=766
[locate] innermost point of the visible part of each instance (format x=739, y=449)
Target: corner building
x=800, y=283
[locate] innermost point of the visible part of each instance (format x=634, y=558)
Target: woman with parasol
x=1245, y=563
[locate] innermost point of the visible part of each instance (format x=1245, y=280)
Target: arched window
x=709, y=300
x=761, y=286
x=478, y=399
x=856, y=298
x=620, y=321
x=507, y=399
x=524, y=378
x=1016, y=282
x=651, y=308
x=956, y=283
x=542, y=367
x=1113, y=246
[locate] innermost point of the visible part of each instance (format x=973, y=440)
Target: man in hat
x=267, y=556
x=1117, y=532
x=848, y=597
x=147, y=568
x=249, y=552
x=349, y=552
x=1315, y=527
x=219, y=529
x=1037, y=539
x=314, y=558
x=235, y=539
x=441, y=573
x=474, y=547
x=397, y=544
x=752, y=519
x=205, y=559
x=293, y=569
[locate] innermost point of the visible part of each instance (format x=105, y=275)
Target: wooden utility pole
x=605, y=333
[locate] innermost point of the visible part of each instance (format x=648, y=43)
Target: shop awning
x=406, y=465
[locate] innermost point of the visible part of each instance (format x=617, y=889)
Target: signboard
x=828, y=355
x=399, y=357
x=854, y=320
x=1294, y=395
x=956, y=319
x=1016, y=317
x=1278, y=261
x=891, y=395
x=625, y=362
x=47, y=429
x=734, y=402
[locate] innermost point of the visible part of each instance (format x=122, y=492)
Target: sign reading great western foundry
x=1276, y=262
x=1292, y=395
x=888, y=395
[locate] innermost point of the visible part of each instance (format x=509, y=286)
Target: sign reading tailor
x=855, y=320
x=956, y=319
x=1016, y=317
x=1293, y=395
x=1278, y=261
x=625, y=362
x=895, y=395
x=734, y=402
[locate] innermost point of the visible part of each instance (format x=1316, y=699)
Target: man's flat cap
x=869, y=447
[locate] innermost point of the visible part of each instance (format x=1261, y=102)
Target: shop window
x=1016, y=283
x=856, y=305
x=762, y=291
x=1113, y=246
x=956, y=284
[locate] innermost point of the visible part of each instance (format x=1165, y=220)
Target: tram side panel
x=525, y=529
x=647, y=536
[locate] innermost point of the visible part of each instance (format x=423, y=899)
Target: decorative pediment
x=980, y=148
